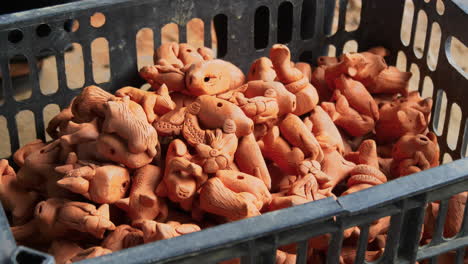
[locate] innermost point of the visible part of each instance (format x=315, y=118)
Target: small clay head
x=261, y=69
x=207, y=77
x=213, y=112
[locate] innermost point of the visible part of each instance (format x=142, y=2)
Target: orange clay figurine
x=349, y=119
x=277, y=149
x=154, y=231
x=182, y=177
x=414, y=153
x=358, y=97
x=324, y=130
x=157, y=75
x=218, y=152
x=234, y=195
x=300, y=189
x=366, y=174
x=128, y=120
x=286, y=100
x=112, y=147
x=249, y=159
x=154, y=103
x=98, y=183
x=261, y=69
x=212, y=77
x=143, y=204
x=212, y=113
x=56, y=218
x=293, y=79
x=403, y=115
x=124, y=236
x=14, y=198
x=89, y=104
x=296, y=132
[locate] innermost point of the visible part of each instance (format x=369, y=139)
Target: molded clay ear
x=194, y=108
x=146, y=200
x=123, y=204
x=270, y=93
x=161, y=190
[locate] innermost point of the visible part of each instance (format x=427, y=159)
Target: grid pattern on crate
x=251, y=28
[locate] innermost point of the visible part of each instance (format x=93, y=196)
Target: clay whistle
x=154, y=231
x=55, y=218
x=390, y=81
x=213, y=77
x=295, y=132
x=366, y=174
x=217, y=199
x=213, y=113
x=90, y=103
x=157, y=75
x=128, y=120
x=100, y=184
x=336, y=167
x=275, y=148
x=218, y=152
x=414, y=153
x=344, y=116
x=324, y=130
x=143, y=204
x=357, y=96
x=14, y=198
x=169, y=52
x=293, y=79
x=286, y=100
x=124, y=236
x=403, y=115
x=153, y=103
x=112, y=147
x=261, y=69
x=182, y=177
x=250, y=160
x=242, y=182
x=189, y=55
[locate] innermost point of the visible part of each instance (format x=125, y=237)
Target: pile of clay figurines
x=208, y=145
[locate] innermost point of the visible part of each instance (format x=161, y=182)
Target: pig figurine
x=414, y=153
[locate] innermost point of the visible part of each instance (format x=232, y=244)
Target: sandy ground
x=100, y=56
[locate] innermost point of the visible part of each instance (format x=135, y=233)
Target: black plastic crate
x=246, y=29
